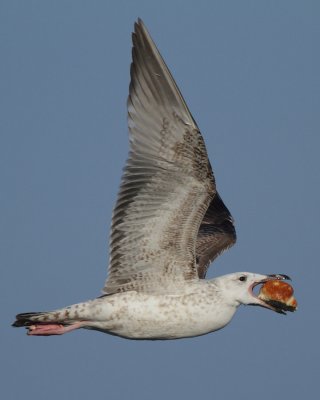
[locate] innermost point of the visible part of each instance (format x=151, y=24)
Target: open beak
x=272, y=305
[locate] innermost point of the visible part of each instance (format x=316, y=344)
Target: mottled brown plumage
x=169, y=222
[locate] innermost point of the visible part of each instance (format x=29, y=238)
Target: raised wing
x=169, y=222
x=167, y=185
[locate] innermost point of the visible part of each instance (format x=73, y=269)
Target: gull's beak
x=274, y=306
x=279, y=277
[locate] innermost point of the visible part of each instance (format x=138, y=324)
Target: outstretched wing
x=167, y=185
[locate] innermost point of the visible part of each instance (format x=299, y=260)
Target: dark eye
x=243, y=278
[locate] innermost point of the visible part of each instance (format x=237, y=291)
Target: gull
x=169, y=223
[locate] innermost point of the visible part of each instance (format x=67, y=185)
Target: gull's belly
x=142, y=316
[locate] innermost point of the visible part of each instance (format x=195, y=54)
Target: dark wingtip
x=138, y=24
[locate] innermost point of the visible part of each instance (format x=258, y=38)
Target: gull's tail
x=30, y=318
x=50, y=323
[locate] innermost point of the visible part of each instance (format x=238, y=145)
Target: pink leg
x=53, y=329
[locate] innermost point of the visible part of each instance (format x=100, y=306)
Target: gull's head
x=239, y=286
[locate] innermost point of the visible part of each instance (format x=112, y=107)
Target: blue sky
x=249, y=72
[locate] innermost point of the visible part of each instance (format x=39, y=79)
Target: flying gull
x=169, y=223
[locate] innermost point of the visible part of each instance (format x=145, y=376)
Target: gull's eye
x=243, y=278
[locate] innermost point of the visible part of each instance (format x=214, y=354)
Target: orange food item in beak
x=279, y=291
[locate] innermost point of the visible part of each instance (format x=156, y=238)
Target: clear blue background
x=249, y=71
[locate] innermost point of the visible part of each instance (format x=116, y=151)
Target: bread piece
x=279, y=294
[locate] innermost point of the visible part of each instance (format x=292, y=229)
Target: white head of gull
x=169, y=223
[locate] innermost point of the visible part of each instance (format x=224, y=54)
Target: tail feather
x=27, y=319
x=54, y=322
x=45, y=323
